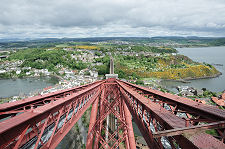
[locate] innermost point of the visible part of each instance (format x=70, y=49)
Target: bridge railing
x=14, y=108
x=175, y=103
x=43, y=121
x=151, y=118
x=47, y=125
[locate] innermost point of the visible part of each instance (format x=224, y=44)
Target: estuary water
x=210, y=55
x=15, y=87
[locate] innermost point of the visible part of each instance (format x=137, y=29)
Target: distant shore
x=187, y=80
x=24, y=77
x=200, y=46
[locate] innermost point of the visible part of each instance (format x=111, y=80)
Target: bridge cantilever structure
x=43, y=121
x=164, y=120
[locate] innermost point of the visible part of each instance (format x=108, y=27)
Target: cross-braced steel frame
x=164, y=120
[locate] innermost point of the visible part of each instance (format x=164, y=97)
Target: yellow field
x=196, y=71
x=87, y=47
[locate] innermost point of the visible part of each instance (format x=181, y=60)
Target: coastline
x=193, y=46
x=24, y=77
x=205, y=77
x=187, y=80
x=55, y=79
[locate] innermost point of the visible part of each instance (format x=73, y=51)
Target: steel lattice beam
x=114, y=124
x=43, y=121
x=52, y=116
x=193, y=112
x=141, y=106
x=13, y=108
x=186, y=104
x=192, y=129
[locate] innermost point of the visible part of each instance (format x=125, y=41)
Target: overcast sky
x=108, y=18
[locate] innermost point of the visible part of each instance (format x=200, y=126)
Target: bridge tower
x=111, y=65
x=111, y=70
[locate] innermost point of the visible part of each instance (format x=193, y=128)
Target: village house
x=2, y=71
x=18, y=71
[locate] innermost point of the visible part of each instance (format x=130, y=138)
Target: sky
x=110, y=18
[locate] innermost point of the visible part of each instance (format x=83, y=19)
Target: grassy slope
x=167, y=67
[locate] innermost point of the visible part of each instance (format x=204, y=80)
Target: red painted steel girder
x=19, y=106
x=207, y=111
x=192, y=129
x=131, y=139
x=49, y=115
x=166, y=119
x=94, y=112
x=193, y=112
x=111, y=104
x=67, y=106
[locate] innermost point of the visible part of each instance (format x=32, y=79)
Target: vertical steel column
x=126, y=137
x=94, y=112
x=127, y=142
x=130, y=131
x=101, y=111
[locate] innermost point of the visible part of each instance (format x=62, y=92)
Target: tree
x=103, y=69
x=139, y=82
x=97, y=53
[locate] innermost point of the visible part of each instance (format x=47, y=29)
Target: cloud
x=90, y=18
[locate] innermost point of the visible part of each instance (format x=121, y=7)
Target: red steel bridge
x=164, y=120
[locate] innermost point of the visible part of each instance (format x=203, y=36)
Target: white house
x=2, y=71
x=68, y=72
x=27, y=73
x=18, y=71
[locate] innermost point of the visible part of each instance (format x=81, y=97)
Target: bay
x=24, y=86
x=210, y=55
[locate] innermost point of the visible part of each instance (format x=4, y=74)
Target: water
x=211, y=55
x=10, y=87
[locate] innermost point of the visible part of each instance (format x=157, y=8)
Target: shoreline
x=187, y=80
x=14, y=78
x=205, y=77
x=199, y=46
x=30, y=77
